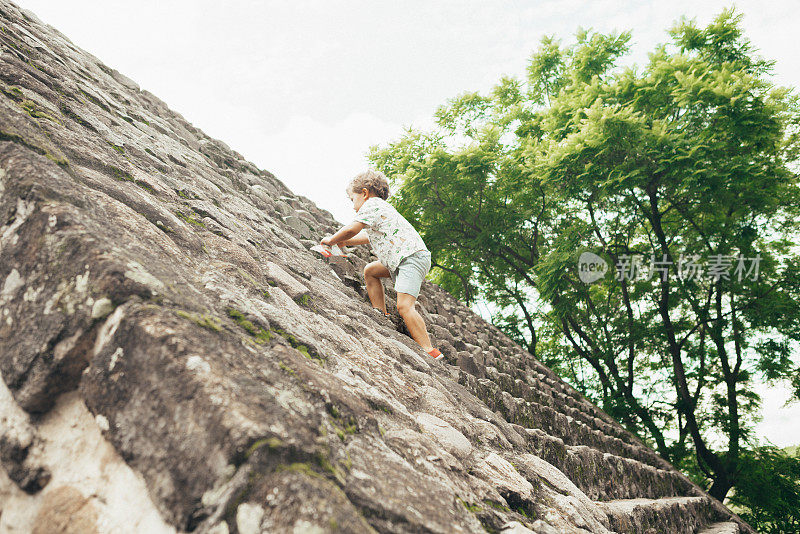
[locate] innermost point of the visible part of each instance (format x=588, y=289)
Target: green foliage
x=694, y=153
x=768, y=493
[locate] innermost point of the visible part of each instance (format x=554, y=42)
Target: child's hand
x=326, y=241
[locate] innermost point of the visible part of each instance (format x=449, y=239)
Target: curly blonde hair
x=372, y=180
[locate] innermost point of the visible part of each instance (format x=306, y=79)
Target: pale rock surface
x=445, y=435
x=90, y=488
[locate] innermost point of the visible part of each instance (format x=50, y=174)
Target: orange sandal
x=436, y=354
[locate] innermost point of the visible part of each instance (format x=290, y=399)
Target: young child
x=402, y=253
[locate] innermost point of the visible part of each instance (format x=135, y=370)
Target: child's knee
x=404, y=307
x=375, y=270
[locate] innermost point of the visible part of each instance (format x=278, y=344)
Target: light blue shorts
x=411, y=272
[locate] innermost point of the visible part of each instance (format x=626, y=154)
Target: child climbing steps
x=401, y=252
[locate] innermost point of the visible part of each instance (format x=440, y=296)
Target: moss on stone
x=299, y=467
x=342, y=432
x=305, y=351
x=58, y=160
x=183, y=193
x=247, y=276
x=119, y=174
x=286, y=368
x=348, y=463
x=259, y=335
x=36, y=66
x=233, y=505
x=16, y=138
x=471, y=507
x=189, y=219
x=95, y=101
x=497, y=505
x=325, y=464
x=342, y=426
x=339, y=432
x=36, y=112
x=144, y=185
x=378, y=406
x=13, y=92
x=67, y=112
x=206, y=321
x=118, y=148
x=164, y=228
x=272, y=443
x=487, y=526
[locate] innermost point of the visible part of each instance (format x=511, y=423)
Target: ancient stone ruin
x=175, y=359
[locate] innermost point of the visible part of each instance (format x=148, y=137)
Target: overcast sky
x=303, y=88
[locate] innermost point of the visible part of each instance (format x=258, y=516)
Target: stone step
x=550, y=391
x=578, y=402
x=560, y=401
x=533, y=371
x=532, y=415
x=528, y=414
x=578, y=409
x=589, y=415
x=563, y=391
x=676, y=515
x=602, y=467
x=605, y=476
x=607, y=444
x=724, y=527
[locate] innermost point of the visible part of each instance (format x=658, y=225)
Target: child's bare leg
x=373, y=272
x=414, y=321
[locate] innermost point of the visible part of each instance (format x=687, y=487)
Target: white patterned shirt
x=392, y=237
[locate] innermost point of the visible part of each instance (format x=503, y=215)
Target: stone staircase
x=242, y=380
x=636, y=489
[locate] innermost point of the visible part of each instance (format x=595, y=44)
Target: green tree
x=768, y=492
x=690, y=160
